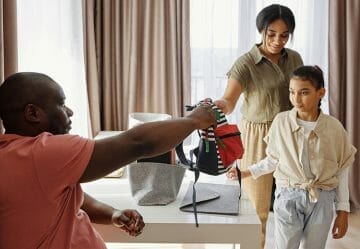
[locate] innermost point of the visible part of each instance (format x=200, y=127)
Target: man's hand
x=340, y=224
x=128, y=220
x=204, y=116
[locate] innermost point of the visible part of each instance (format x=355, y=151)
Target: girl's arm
x=342, y=205
x=263, y=167
x=342, y=191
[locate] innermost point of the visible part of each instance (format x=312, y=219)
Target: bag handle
x=181, y=155
x=190, y=163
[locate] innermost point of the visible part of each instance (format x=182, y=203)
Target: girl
x=309, y=153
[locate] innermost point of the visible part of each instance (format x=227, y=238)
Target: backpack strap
x=197, y=175
x=181, y=155
x=239, y=177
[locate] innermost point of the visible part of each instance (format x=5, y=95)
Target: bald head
x=21, y=90
x=24, y=88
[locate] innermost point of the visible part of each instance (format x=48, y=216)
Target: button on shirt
x=307, y=152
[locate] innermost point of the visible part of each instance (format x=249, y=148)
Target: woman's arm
x=230, y=97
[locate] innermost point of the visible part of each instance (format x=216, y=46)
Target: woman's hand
x=128, y=220
x=222, y=104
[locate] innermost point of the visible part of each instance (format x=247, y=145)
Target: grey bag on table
x=155, y=183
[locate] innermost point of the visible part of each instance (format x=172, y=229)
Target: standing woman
x=262, y=75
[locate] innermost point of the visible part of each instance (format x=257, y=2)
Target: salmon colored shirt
x=40, y=197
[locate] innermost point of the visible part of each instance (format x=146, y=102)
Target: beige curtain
x=8, y=47
x=344, y=75
x=137, y=59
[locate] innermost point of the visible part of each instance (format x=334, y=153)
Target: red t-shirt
x=40, y=197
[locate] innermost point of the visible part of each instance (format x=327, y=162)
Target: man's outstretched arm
x=145, y=140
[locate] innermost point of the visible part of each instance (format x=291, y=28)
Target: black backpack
x=218, y=149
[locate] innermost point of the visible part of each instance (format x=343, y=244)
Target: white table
x=167, y=224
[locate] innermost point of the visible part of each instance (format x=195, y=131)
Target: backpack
x=218, y=149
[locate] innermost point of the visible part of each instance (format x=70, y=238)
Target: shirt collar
x=295, y=126
x=258, y=56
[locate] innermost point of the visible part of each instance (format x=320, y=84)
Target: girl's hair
x=313, y=74
x=274, y=12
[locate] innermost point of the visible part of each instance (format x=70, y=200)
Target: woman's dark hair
x=313, y=74
x=274, y=12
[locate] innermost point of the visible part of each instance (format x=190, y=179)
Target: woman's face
x=276, y=37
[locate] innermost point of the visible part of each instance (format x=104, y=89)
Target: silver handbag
x=154, y=183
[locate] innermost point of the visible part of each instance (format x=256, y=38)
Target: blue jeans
x=301, y=222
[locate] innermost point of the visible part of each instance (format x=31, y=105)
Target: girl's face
x=276, y=37
x=304, y=97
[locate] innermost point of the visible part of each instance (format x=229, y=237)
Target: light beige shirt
x=329, y=149
x=265, y=84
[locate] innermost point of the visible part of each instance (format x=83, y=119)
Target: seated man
x=42, y=204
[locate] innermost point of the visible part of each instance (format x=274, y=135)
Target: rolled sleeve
x=265, y=166
x=342, y=191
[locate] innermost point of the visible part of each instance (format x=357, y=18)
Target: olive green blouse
x=265, y=84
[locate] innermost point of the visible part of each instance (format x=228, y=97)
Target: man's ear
x=33, y=113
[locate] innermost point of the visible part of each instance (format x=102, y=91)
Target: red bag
x=229, y=144
x=218, y=149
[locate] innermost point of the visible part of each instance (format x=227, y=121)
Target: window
x=221, y=31
x=50, y=41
